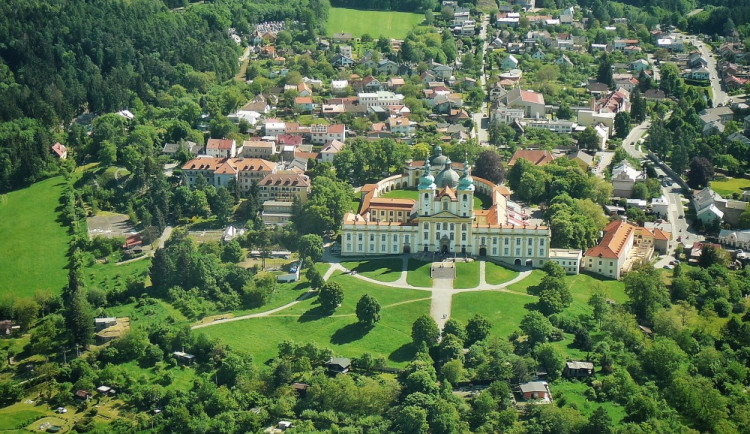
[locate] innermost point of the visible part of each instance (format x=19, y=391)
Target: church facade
x=443, y=219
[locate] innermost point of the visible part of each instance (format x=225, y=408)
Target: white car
x=62, y=410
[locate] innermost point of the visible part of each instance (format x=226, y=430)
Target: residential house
x=274, y=127
x=567, y=15
x=395, y=83
x=577, y=369
x=620, y=44
x=342, y=61
x=330, y=150
x=338, y=365
x=624, y=177
x=401, y=126
x=259, y=104
x=191, y=147
x=537, y=157
x=563, y=61
x=701, y=74
x=342, y=38
x=639, y=65
x=608, y=258
x=506, y=115
x=531, y=102
x=345, y=50
x=705, y=207
x=258, y=149
x=303, y=104
x=660, y=206
x=536, y=390
x=442, y=72
x=538, y=54
x=221, y=148
x=568, y=259
x=586, y=161
x=733, y=82
x=303, y=89
x=339, y=86
x=60, y=151
x=735, y=239
x=320, y=134
x=183, y=358
x=387, y=67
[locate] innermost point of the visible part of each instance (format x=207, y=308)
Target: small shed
x=284, y=425
x=83, y=394
x=105, y=390
x=578, y=369
x=184, y=358
x=338, y=365
x=300, y=388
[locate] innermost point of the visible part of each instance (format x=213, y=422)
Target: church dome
x=466, y=182
x=438, y=159
x=447, y=177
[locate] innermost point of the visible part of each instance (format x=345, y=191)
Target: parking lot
x=109, y=225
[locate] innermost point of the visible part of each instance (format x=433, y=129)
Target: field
x=384, y=270
x=730, y=185
x=305, y=322
x=504, y=310
x=497, y=274
x=374, y=23
x=480, y=201
x=467, y=275
x=573, y=393
x=111, y=276
x=34, y=243
x=419, y=274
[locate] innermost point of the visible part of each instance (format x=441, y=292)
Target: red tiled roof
x=219, y=144
x=59, y=149
x=613, y=243
x=536, y=157
x=532, y=97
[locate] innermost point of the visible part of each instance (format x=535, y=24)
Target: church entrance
x=483, y=251
x=407, y=249
x=444, y=245
x=517, y=262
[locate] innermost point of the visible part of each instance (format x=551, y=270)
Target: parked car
x=62, y=410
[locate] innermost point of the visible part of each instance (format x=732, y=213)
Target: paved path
x=255, y=315
x=442, y=299
x=441, y=293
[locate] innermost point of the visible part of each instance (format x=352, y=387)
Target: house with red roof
x=221, y=148
x=608, y=257
x=537, y=157
x=60, y=151
x=532, y=103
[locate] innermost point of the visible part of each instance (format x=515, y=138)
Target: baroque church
x=444, y=220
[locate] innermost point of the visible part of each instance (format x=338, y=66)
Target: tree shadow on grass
x=313, y=314
x=404, y=353
x=349, y=333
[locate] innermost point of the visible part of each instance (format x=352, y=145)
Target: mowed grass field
x=305, y=322
x=374, y=23
x=34, y=243
x=730, y=185
x=480, y=201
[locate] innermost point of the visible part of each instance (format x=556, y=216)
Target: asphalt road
x=482, y=124
x=719, y=96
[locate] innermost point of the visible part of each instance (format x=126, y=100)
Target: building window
x=518, y=241
x=382, y=238
x=463, y=227
x=426, y=236
x=507, y=241
x=494, y=251
x=372, y=237
x=348, y=237
x=359, y=236
x=541, y=242
x=426, y=225
x=445, y=205
x=395, y=237
x=505, y=251
x=445, y=226
x=463, y=236
x=452, y=236
x=382, y=248
x=452, y=226
x=360, y=247
x=530, y=253
x=348, y=246
x=531, y=241
x=483, y=240
x=372, y=247
x=406, y=238
x=494, y=241
x=437, y=236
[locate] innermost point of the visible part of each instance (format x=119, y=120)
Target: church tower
x=426, y=189
x=466, y=192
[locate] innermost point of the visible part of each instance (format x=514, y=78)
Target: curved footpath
x=441, y=292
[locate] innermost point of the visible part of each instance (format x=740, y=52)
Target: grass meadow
x=34, y=243
x=374, y=23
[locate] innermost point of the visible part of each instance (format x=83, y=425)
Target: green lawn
x=34, y=244
x=375, y=23
x=19, y=415
x=419, y=274
x=496, y=274
x=304, y=322
x=111, y=276
x=384, y=270
x=480, y=201
x=583, y=285
x=467, y=275
x=532, y=279
x=502, y=309
x=730, y=185
x=573, y=392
